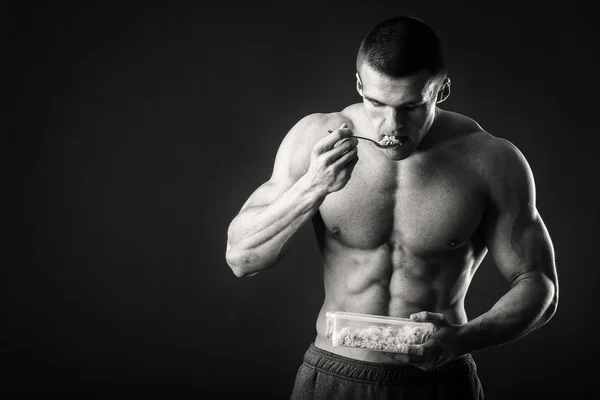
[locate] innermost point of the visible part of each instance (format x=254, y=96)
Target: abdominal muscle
x=392, y=283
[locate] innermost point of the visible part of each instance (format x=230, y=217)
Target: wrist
x=465, y=336
x=459, y=330
x=312, y=193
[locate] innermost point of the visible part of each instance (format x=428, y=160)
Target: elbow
x=549, y=312
x=553, y=307
x=241, y=273
x=242, y=263
x=552, y=302
x=236, y=263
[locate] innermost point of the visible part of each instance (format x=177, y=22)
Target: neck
x=435, y=133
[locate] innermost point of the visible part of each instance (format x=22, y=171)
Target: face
x=403, y=107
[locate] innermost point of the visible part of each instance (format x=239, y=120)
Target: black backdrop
x=141, y=131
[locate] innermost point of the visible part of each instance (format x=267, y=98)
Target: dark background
x=141, y=131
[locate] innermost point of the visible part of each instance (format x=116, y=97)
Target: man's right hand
x=332, y=161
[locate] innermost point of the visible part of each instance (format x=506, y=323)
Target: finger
x=328, y=141
x=341, y=162
x=412, y=349
x=345, y=134
x=431, y=347
x=426, y=316
x=344, y=147
x=342, y=141
x=411, y=358
x=426, y=366
x=346, y=172
x=442, y=360
x=351, y=164
x=427, y=351
x=398, y=357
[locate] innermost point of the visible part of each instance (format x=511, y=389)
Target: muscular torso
x=403, y=237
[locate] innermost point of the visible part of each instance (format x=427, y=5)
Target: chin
x=400, y=153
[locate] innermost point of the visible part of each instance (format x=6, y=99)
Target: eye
x=415, y=106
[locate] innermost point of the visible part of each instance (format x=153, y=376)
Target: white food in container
x=374, y=332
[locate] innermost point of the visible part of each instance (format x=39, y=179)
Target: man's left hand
x=441, y=347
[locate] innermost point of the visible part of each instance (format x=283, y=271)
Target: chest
x=427, y=206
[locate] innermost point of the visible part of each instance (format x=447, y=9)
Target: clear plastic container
x=375, y=332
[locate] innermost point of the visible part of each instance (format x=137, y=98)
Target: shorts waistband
x=367, y=371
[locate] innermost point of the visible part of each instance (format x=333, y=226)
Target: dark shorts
x=324, y=375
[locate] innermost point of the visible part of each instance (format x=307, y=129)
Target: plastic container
x=375, y=332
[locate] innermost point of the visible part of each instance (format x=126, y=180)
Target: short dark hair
x=402, y=46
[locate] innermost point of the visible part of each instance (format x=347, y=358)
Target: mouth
x=393, y=141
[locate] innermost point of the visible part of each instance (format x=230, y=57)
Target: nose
x=395, y=119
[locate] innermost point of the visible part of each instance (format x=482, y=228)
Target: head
x=401, y=76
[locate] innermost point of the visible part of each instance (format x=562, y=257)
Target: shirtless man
x=403, y=230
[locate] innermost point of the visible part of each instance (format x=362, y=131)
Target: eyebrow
x=410, y=103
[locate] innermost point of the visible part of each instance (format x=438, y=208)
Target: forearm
x=529, y=304
x=258, y=235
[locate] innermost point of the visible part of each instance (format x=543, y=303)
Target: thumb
x=426, y=316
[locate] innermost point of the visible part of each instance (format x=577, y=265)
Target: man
x=403, y=230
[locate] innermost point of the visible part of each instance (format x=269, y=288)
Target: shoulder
x=502, y=159
x=501, y=165
x=293, y=155
x=506, y=172
x=314, y=127
x=495, y=155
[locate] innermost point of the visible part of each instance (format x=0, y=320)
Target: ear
x=359, y=85
x=444, y=91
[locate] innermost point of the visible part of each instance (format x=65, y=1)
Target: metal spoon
x=383, y=146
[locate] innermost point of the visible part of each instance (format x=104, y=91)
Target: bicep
x=520, y=246
x=516, y=236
